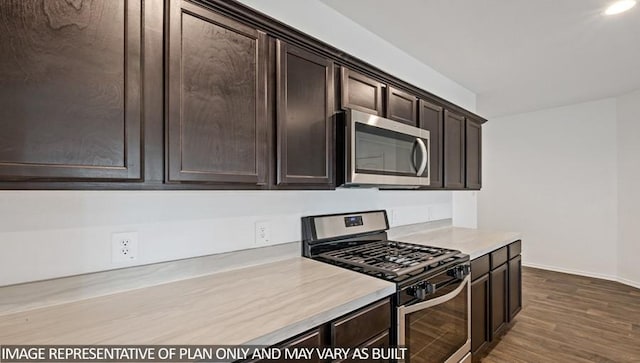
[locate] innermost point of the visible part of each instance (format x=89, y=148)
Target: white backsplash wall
x=48, y=234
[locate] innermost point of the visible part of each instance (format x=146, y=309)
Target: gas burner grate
x=390, y=257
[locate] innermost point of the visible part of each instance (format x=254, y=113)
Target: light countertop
x=474, y=242
x=262, y=304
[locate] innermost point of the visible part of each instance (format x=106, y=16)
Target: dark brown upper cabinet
x=402, y=106
x=70, y=91
x=454, y=150
x=432, y=119
x=305, y=108
x=473, y=154
x=360, y=92
x=217, y=108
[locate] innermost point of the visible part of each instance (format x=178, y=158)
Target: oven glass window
x=434, y=334
x=385, y=152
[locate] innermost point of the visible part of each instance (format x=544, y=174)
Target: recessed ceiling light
x=620, y=7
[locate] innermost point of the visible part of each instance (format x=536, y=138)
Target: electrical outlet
x=124, y=247
x=263, y=233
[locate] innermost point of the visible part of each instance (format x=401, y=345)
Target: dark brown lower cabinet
x=499, y=298
x=496, y=295
x=480, y=314
x=515, y=286
x=365, y=327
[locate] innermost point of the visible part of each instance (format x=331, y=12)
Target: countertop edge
x=497, y=245
x=302, y=326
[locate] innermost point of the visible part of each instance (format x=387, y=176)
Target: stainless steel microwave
x=383, y=153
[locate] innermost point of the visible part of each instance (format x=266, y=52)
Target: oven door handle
x=403, y=310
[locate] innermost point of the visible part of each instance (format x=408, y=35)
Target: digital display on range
x=353, y=221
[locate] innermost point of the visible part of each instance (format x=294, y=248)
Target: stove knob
x=460, y=272
x=422, y=290
x=430, y=288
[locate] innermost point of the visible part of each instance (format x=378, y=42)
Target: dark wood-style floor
x=569, y=318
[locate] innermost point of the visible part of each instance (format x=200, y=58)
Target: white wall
x=57, y=233
x=552, y=175
x=325, y=23
x=51, y=234
x=628, y=188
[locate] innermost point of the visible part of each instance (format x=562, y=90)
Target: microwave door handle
x=423, y=162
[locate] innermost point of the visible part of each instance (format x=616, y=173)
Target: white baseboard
x=585, y=273
x=629, y=282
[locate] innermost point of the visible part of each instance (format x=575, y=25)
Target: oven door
x=383, y=152
x=438, y=330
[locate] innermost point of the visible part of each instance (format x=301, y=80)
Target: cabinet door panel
x=473, y=154
x=499, y=299
x=432, y=119
x=217, y=98
x=454, y=156
x=515, y=286
x=357, y=328
x=361, y=93
x=480, y=313
x=70, y=87
x=401, y=106
x=305, y=114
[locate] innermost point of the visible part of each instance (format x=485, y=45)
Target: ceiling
x=516, y=55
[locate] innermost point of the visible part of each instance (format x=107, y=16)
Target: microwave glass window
x=381, y=151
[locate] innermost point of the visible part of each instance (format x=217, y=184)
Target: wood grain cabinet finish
x=515, y=286
x=381, y=341
x=314, y=338
x=480, y=313
x=360, y=92
x=499, y=299
x=454, y=150
x=473, y=154
x=402, y=106
x=305, y=109
x=496, y=294
x=431, y=117
x=357, y=328
x=217, y=108
x=70, y=90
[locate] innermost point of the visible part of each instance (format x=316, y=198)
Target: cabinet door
x=454, y=155
x=359, y=327
x=473, y=154
x=216, y=89
x=432, y=119
x=515, y=286
x=70, y=90
x=480, y=313
x=381, y=341
x=499, y=299
x=401, y=106
x=305, y=113
x=361, y=92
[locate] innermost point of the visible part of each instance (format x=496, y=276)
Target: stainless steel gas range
x=432, y=299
